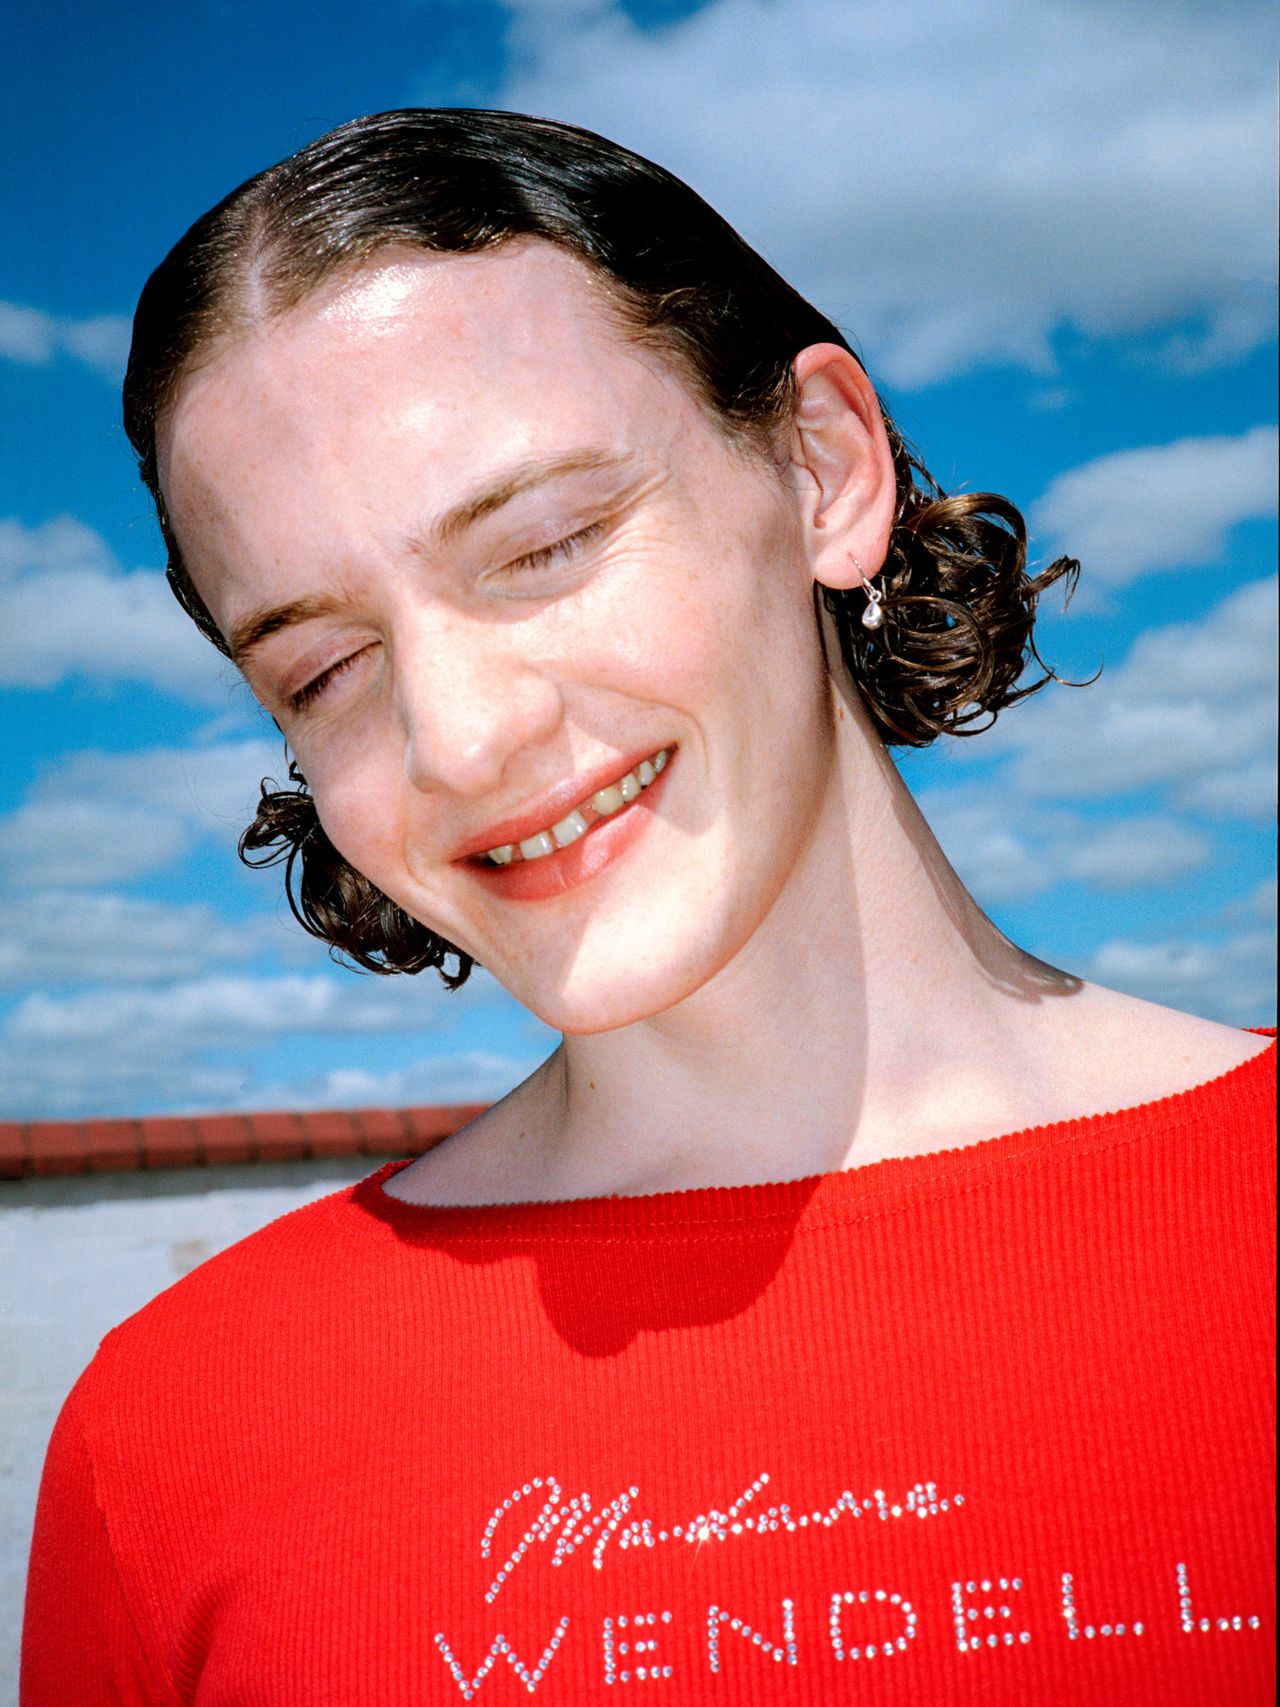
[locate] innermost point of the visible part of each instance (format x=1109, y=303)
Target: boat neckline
x=877, y=1179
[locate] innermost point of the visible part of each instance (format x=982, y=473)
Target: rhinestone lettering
x=896, y=1645
x=501, y=1649
x=1089, y=1631
x=967, y=1619
x=618, y=1647
x=1188, y=1618
x=716, y=1616
x=575, y=1521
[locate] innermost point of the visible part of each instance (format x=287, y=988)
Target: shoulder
x=1177, y=1052
x=1205, y=1047
x=296, y=1281
x=1113, y=1051
x=276, y=1343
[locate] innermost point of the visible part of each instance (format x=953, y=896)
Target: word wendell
x=980, y=1613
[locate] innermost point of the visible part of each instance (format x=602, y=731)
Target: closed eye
x=312, y=690
x=563, y=549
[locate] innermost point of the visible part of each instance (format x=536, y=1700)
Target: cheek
x=359, y=811
x=366, y=826
x=687, y=613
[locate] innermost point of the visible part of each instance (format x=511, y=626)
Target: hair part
x=958, y=602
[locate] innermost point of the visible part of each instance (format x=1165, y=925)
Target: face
x=483, y=559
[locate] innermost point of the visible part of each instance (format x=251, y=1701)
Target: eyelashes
x=563, y=550
x=312, y=690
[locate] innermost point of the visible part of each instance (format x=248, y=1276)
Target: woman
x=809, y=1308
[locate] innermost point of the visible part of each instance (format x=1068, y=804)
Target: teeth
x=603, y=804
x=569, y=829
x=609, y=800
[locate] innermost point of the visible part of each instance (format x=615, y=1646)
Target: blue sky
x=1049, y=230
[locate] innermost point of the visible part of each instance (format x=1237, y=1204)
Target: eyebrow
x=260, y=624
x=523, y=478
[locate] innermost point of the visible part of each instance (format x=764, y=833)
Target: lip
x=551, y=807
x=604, y=843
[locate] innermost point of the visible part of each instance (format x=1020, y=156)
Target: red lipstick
x=553, y=874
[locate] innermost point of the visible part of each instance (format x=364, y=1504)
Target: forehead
x=482, y=351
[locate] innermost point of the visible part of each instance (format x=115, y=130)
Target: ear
x=843, y=467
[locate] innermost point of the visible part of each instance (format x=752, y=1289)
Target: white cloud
x=222, y=1011
x=1007, y=849
x=197, y=1042
x=1136, y=853
x=34, y=337
x=465, y=1075
x=69, y=843
x=1244, y=911
x=108, y=628
x=26, y=334
x=62, y=545
x=1192, y=704
x=985, y=839
x=55, y=937
x=1231, y=979
x=101, y=341
x=1158, y=507
x=67, y=609
x=1248, y=791
x=99, y=818
x=954, y=184
x=214, y=788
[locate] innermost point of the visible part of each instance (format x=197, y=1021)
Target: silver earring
x=872, y=616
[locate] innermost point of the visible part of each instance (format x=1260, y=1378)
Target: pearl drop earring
x=872, y=616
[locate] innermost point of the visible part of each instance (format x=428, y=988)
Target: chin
x=599, y=994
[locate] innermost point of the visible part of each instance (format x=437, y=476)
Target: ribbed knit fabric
x=989, y=1426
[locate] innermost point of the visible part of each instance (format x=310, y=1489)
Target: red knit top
x=992, y=1425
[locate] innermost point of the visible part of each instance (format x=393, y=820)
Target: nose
x=470, y=700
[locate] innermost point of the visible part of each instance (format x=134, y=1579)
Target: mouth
x=603, y=803
x=578, y=844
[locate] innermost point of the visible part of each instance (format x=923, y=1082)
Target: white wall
x=78, y=1255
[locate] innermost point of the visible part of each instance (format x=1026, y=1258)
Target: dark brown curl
x=959, y=612
x=332, y=900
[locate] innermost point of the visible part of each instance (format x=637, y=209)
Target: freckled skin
x=300, y=459
x=785, y=934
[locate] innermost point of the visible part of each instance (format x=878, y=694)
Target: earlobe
x=840, y=444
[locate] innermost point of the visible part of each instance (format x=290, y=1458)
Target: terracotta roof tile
x=224, y=1138
x=62, y=1148
x=280, y=1137
x=15, y=1156
x=381, y=1130
x=427, y=1126
x=111, y=1144
x=168, y=1141
x=333, y=1133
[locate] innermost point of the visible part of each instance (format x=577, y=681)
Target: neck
x=876, y=998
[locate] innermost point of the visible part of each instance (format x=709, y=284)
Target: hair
x=958, y=603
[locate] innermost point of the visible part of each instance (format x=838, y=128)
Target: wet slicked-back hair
x=958, y=603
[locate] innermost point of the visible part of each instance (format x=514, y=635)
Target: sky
x=1049, y=230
